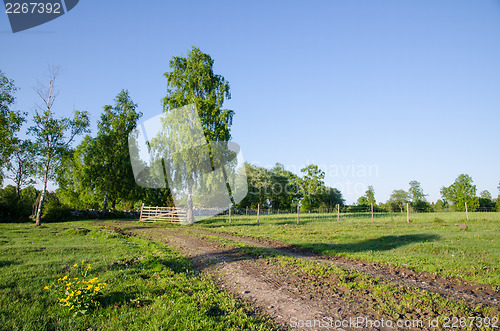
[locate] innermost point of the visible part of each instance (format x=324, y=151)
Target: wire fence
x=352, y=212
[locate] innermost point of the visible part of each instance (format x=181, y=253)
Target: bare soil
x=288, y=295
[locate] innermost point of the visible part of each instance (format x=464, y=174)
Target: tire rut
x=448, y=287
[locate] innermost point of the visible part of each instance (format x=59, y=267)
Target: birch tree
x=53, y=136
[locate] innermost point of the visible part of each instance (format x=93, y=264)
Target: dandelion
x=65, y=277
x=75, y=265
x=46, y=288
x=88, y=267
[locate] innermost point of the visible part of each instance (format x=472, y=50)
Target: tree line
x=95, y=177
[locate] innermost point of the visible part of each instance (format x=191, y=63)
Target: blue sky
x=374, y=92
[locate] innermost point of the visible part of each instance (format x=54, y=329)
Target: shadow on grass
x=5, y=263
x=383, y=243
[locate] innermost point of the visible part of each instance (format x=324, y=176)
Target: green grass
x=149, y=285
x=431, y=242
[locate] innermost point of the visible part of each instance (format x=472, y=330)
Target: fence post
x=230, y=207
x=246, y=213
x=338, y=213
x=372, y=211
x=466, y=211
x=258, y=213
x=407, y=212
x=298, y=213
x=142, y=208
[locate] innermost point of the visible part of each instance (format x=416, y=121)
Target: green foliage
x=10, y=122
x=398, y=200
x=22, y=166
x=368, y=199
x=104, y=162
x=460, y=192
x=14, y=208
x=311, y=186
x=421, y=206
x=53, y=136
x=192, y=81
x=76, y=291
x=416, y=193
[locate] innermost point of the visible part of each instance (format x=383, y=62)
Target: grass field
x=148, y=285
x=431, y=242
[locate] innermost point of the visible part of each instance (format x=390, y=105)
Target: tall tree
x=312, y=186
x=370, y=195
x=10, y=122
x=193, y=81
x=398, y=200
x=53, y=136
x=21, y=167
x=460, y=192
x=107, y=160
x=416, y=192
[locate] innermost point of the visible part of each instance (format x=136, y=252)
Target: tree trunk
x=105, y=205
x=189, y=209
x=113, y=204
x=44, y=193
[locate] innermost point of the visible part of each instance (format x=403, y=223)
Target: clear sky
x=374, y=92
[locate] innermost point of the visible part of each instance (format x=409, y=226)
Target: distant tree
x=486, y=201
x=398, y=200
x=10, y=122
x=312, y=186
x=416, y=192
x=193, y=81
x=485, y=195
x=460, y=192
x=370, y=196
x=284, y=188
x=362, y=201
x=259, y=181
x=53, y=136
x=331, y=198
x=440, y=205
x=21, y=167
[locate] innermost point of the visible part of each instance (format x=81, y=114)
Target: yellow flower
x=72, y=307
x=78, y=292
x=89, y=287
x=97, y=289
x=46, y=288
x=93, y=280
x=88, y=266
x=65, y=277
x=75, y=265
x=69, y=284
x=83, y=261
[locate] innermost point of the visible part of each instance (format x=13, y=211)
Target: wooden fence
x=153, y=214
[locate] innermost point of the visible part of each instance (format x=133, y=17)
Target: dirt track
x=287, y=297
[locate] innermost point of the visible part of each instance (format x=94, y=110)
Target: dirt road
x=293, y=288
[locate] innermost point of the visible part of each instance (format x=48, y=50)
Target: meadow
x=147, y=285
x=432, y=242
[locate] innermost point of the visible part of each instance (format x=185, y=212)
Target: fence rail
x=153, y=214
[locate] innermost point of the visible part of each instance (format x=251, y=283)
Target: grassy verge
x=431, y=242
x=148, y=285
